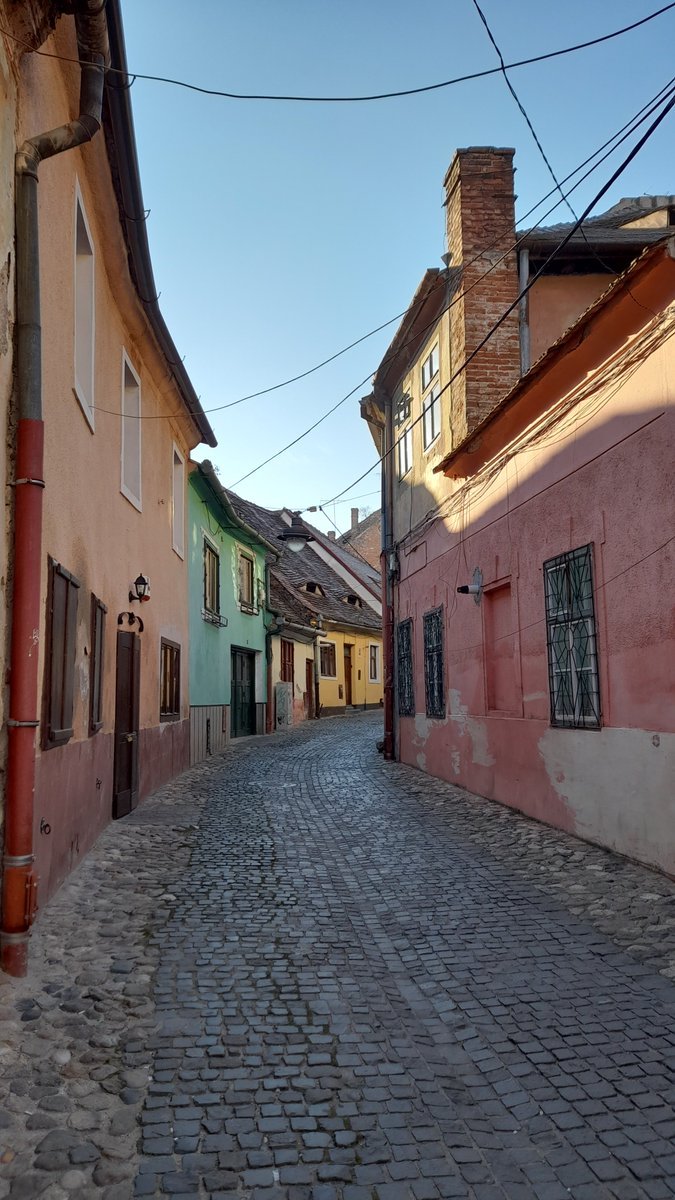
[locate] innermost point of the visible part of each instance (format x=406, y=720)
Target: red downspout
x=19, y=882
x=386, y=562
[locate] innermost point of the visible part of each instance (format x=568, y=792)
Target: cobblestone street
x=299, y=972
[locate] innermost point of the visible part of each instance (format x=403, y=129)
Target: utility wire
x=630, y=126
x=454, y=300
x=528, y=286
x=416, y=91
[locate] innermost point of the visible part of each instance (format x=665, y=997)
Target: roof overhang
x=620, y=311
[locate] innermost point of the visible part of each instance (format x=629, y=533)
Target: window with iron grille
x=406, y=685
x=434, y=683
x=211, y=579
x=287, y=661
x=169, y=681
x=571, y=640
x=60, y=664
x=98, y=613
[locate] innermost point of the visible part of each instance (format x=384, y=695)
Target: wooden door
x=127, y=695
x=309, y=688
x=242, y=711
x=348, y=675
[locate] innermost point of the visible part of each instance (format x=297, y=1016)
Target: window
x=98, y=612
x=352, y=599
x=314, y=588
x=287, y=662
x=429, y=368
x=178, y=502
x=406, y=685
x=328, y=668
x=246, y=583
x=169, y=681
x=402, y=410
x=131, y=434
x=571, y=640
x=434, y=683
x=62, y=631
x=405, y=446
x=374, y=663
x=431, y=416
x=84, y=312
x=211, y=579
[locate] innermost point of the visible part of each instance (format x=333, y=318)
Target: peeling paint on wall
x=618, y=786
x=473, y=727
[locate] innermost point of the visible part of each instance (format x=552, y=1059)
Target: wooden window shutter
x=62, y=626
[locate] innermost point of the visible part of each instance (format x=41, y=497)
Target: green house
x=229, y=651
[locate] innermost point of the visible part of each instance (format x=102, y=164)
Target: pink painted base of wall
x=68, y=800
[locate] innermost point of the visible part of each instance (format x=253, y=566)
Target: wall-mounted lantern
x=140, y=589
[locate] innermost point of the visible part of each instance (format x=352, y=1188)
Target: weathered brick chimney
x=480, y=223
x=355, y=519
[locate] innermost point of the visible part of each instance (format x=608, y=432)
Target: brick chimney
x=480, y=224
x=331, y=535
x=355, y=519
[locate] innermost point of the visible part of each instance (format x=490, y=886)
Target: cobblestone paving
x=302, y=974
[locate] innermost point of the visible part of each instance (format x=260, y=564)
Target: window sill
x=87, y=409
x=165, y=717
x=134, y=501
x=429, y=448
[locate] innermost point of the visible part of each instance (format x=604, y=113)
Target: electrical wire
x=528, y=286
x=350, y=549
x=416, y=91
x=619, y=136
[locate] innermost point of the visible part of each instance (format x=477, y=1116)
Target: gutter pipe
x=19, y=881
x=387, y=577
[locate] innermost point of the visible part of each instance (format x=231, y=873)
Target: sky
x=281, y=232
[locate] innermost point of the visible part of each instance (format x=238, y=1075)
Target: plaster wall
x=364, y=692
x=555, y=302
x=602, y=476
x=89, y=526
x=210, y=644
x=302, y=653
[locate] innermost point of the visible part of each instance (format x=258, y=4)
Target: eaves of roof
x=425, y=307
x=650, y=257
x=206, y=472
x=123, y=157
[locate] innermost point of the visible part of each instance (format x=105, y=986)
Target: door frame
x=245, y=652
x=125, y=799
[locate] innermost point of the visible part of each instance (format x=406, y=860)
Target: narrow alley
x=299, y=972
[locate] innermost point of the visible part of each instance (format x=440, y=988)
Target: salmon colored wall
x=554, y=304
x=89, y=526
x=602, y=475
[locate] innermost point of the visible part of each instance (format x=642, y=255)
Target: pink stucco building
x=545, y=492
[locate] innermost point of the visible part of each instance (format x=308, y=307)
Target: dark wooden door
x=242, y=712
x=309, y=688
x=348, y=674
x=127, y=695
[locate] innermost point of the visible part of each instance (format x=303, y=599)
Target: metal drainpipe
x=269, y=715
x=19, y=882
x=387, y=580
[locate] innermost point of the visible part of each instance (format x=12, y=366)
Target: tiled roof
x=296, y=569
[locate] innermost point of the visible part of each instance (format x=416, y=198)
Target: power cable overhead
x=130, y=77
x=529, y=285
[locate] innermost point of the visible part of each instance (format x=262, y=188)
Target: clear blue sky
x=281, y=232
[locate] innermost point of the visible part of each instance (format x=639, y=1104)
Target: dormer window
x=314, y=588
x=350, y=598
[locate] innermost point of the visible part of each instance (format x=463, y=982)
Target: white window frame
x=376, y=678
x=430, y=367
x=249, y=557
x=334, y=645
x=208, y=614
x=83, y=387
x=405, y=451
x=126, y=491
x=431, y=417
x=178, y=544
